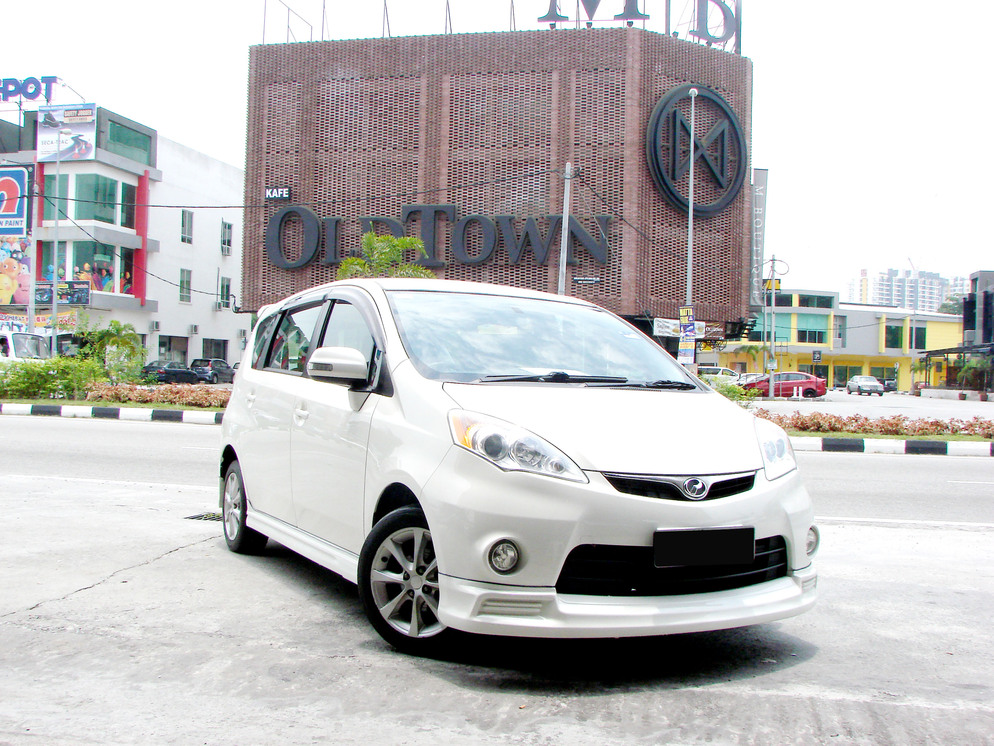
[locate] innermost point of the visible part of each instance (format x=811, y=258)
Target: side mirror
x=338, y=365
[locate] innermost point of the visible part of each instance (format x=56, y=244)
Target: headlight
x=510, y=447
x=774, y=445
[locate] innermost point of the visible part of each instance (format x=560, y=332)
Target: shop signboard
x=15, y=201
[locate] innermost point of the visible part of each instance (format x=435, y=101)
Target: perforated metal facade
x=486, y=122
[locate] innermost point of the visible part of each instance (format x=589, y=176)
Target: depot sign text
x=29, y=88
x=494, y=232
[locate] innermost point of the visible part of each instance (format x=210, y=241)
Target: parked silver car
x=864, y=385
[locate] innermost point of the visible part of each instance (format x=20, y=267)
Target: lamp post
x=55, y=251
x=914, y=323
x=690, y=206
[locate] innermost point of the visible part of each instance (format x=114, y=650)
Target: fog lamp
x=814, y=540
x=504, y=556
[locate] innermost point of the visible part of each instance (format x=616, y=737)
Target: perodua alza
x=496, y=460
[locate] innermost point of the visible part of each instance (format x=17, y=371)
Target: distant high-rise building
x=905, y=288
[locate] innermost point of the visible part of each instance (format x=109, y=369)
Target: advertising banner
x=71, y=293
x=688, y=336
x=759, y=181
x=15, y=200
x=79, y=144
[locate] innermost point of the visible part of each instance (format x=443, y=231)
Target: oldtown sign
x=492, y=231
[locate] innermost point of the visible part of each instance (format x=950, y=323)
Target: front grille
x=603, y=570
x=668, y=489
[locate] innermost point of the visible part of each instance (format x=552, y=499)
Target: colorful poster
x=15, y=270
x=69, y=132
x=688, y=336
x=15, y=200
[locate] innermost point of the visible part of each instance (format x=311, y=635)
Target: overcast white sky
x=871, y=116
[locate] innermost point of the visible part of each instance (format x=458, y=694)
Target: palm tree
x=975, y=373
x=750, y=351
x=383, y=256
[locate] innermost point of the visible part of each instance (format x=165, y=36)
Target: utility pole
x=564, y=230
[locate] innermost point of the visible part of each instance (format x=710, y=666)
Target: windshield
x=200, y=363
x=470, y=337
x=30, y=346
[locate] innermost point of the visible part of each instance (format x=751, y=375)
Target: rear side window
x=261, y=343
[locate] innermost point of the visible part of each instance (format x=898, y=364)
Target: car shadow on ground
x=584, y=666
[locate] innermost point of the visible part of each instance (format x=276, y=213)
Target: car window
x=347, y=328
x=261, y=343
x=292, y=339
x=200, y=363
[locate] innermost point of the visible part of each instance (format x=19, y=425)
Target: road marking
x=903, y=522
x=115, y=482
x=957, y=481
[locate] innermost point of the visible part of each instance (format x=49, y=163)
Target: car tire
x=809, y=393
x=213, y=377
x=849, y=391
x=237, y=535
x=398, y=582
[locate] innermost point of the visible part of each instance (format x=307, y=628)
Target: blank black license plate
x=709, y=546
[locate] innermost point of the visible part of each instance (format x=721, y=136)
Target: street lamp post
x=55, y=248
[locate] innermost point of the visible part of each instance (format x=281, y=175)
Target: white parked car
x=502, y=461
x=721, y=375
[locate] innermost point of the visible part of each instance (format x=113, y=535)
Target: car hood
x=635, y=431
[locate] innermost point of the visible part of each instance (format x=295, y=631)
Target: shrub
x=58, y=378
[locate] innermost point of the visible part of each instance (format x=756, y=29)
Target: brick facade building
x=481, y=127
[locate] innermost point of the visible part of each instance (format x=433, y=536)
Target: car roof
x=378, y=285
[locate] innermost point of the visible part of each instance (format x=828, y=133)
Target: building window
x=185, y=281
x=812, y=337
x=186, y=227
x=224, y=296
x=919, y=337
x=814, y=301
x=96, y=198
x=129, y=143
x=94, y=263
x=226, y=232
x=127, y=270
x=129, y=195
x=894, y=337
x=53, y=200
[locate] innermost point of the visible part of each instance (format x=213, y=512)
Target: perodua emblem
x=695, y=488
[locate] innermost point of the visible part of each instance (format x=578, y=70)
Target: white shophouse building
x=152, y=229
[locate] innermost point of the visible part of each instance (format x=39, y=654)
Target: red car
x=790, y=384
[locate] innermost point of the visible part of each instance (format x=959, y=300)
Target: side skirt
x=336, y=559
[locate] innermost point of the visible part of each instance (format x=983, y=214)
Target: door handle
x=300, y=414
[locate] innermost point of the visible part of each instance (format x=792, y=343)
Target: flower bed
x=184, y=394
x=819, y=422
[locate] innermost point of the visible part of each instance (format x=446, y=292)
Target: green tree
x=383, y=256
x=116, y=347
x=952, y=304
x=750, y=351
x=975, y=373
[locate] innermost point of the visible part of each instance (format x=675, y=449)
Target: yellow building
x=815, y=333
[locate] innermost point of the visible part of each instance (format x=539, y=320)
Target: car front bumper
x=470, y=505
x=541, y=612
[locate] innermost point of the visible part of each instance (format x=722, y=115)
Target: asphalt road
x=123, y=621
x=888, y=405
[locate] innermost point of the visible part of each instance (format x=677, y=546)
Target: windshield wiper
x=665, y=384
x=556, y=376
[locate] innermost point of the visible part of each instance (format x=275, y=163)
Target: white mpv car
x=502, y=461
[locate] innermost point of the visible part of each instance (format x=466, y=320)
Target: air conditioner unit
x=969, y=336
x=153, y=326
x=194, y=329
x=242, y=333
x=225, y=250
